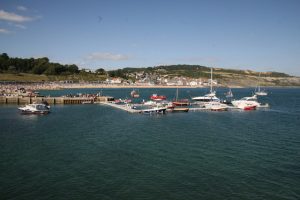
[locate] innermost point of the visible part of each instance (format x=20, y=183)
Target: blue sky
x=262, y=35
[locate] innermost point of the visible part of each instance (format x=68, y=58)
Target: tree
x=4, y=56
x=39, y=69
x=73, y=69
x=12, y=69
x=100, y=71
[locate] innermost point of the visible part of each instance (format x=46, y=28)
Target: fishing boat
x=35, y=108
x=211, y=96
x=259, y=91
x=180, y=102
x=156, y=97
x=134, y=94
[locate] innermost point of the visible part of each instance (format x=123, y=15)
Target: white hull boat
x=211, y=96
x=156, y=110
x=216, y=106
x=35, y=108
x=248, y=103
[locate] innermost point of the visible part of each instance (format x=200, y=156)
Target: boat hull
x=180, y=109
x=250, y=108
x=29, y=112
x=261, y=93
x=178, y=103
x=155, y=111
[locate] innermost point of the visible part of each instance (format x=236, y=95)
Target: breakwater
x=53, y=100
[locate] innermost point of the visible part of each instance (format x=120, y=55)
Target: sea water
x=98, y=152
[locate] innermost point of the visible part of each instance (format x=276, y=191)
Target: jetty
x=53, y=100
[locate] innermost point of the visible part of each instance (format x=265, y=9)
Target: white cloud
x=20, y=26
x=107, y=56
x=21, y=8
x=4, y=31
x=12, y=17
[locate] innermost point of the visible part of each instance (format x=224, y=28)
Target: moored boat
x=229, y=94
x=180, y=102
x=216, y=106
x=246, y=103
x=260, y=92
x=35, y=108
x=134, y=94
x=156, y=97
x=211, y=96
x=180, y=109
x=156, y=110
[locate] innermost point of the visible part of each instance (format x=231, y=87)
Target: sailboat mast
x=176, y=94
x=259, y=83
x=211, y=80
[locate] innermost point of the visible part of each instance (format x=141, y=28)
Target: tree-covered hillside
x=34, y=66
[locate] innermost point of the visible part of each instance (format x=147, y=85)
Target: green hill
x=41, y=69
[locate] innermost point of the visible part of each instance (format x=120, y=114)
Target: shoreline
x=32, y=86
x=157, y=86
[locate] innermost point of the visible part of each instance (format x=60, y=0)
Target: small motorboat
x=156, y=110
x=156, y=97
x=216, y=106
x=35, y=108
x=134, y=94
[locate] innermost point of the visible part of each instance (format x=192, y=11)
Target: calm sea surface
x=97, y=152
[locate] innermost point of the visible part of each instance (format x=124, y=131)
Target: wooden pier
x=52, y=100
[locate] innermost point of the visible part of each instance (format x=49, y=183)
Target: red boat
x=181, y=102
x=156, y=97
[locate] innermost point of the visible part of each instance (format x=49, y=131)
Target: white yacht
x=211, y=96
x=35, y=108
x=248, y=103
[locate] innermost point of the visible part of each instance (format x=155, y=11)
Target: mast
x=211, y=80
x=177, y=94
x=259, y=83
